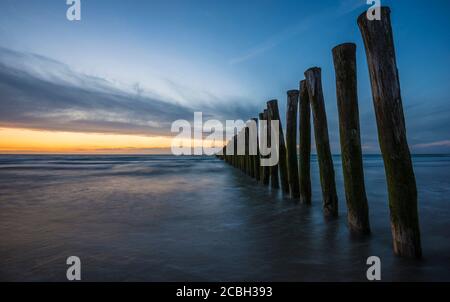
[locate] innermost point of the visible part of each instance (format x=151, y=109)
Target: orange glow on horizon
x=14, y=140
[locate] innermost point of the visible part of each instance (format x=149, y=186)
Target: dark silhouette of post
x=261, y=168
x=241, y=149
x=251, y=159
x=305, y=144
x=244, y=150
x=344, y=57
x=274, y=182
x=291, y=143
x=235, y=151
x=256, y=162
x=275, y=115
x=401, y=182
x=247, y=152
x=329, y=195
x=267, y=170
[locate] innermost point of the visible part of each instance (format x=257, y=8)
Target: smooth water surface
x=165, y=218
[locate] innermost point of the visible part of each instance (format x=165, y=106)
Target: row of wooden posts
x=292, y=174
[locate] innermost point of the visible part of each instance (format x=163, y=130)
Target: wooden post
x=401, y=182
x=225, y=154
x=267, y=170
x=330, y=199
x=282, y=164
x=248, y=158
x=261, y=168
x=238, y=155
x=305, y=145
x=235, y=151
x=242, y=156
x=251, y=160
x=247, y=169
x=291, y=142
x=256, y=162
x=344, y=56
x=274, y=182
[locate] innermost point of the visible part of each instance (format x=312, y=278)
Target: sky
x=116, y=80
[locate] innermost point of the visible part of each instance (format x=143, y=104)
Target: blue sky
x=141, y=64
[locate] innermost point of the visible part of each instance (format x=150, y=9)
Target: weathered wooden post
x=305, y=144
x=246, y=150
x=239, y=153
x=260, y=132
x=256, y=162
x=291, y=142
x=274, y=182
x=330, y=199
x=241, y=156
x=282, y=164
x=248, y=157
x=344, y=57
x=251, y=149
x=225, y=154
x=401, y=182
x=235, y=151
x=267, y=170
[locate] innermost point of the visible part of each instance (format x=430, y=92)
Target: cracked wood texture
x=305, y=145
x=327, y=179
x=291, y=143
x=344, y=57
x=401, y=182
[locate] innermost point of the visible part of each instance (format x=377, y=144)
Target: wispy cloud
x=41, y=93
x=444, y=143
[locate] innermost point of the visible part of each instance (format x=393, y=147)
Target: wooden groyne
x=344, y=57
x=291, y=173
x=291, y=143
x=305, y=144
x=274, y=115
x=329, y=196
x=401, y=182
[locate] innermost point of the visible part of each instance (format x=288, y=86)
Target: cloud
x=41, y=93
x=444, y=143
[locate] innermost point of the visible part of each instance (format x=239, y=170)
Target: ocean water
x=165, y=218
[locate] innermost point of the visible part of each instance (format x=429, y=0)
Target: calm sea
x=163, y=218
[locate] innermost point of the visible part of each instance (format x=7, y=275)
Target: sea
x=166, y=218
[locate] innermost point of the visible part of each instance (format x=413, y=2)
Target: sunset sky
x=116, y=80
